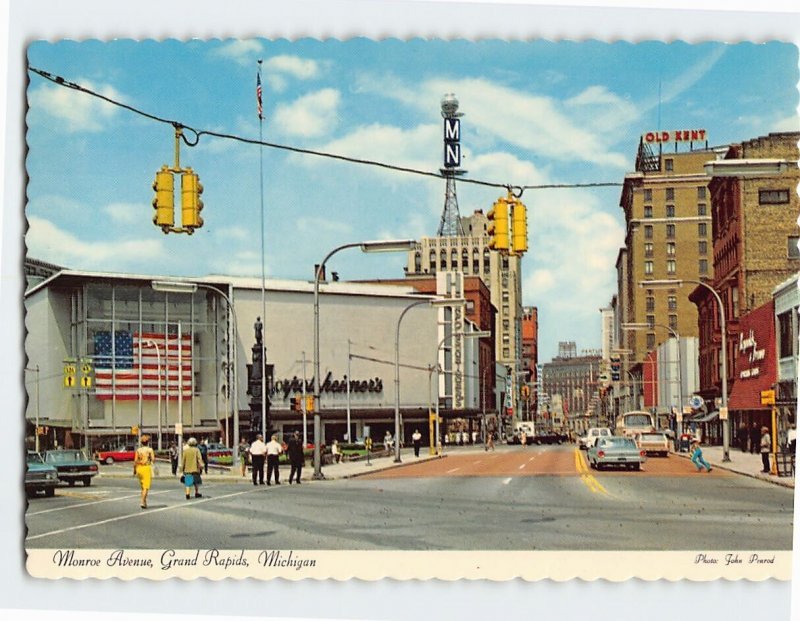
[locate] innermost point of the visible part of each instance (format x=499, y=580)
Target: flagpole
x=263, y=269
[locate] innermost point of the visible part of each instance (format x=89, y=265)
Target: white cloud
x=232, y=232
x=535, y=123
x=294, y=66
x=789, y=124
x=414, y=148
x=242, y=52
x=78, y=111
x=47, y=242
x=124, y=213
x=309, y=116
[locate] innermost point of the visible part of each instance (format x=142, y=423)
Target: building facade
x=572, y=386
x=755, y=235
x=786, y=298
x=114, y=355
x=667, y=210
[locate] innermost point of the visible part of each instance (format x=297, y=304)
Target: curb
x=775, y=480
x=393, y=466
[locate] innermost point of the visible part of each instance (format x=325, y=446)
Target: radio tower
x=450, y=225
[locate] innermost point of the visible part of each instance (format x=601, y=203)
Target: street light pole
x=177, y=286
x=723, y=354
x=368, y=246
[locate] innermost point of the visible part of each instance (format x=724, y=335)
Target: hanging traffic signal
x=309, y=403
x=519, y=227
x=164, y=201
x=191, y=205
x=498, y=225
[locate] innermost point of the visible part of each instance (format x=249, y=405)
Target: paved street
x=534, y=498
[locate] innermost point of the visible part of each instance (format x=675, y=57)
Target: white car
x=592, y=434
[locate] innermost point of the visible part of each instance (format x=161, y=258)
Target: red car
x=123, y=453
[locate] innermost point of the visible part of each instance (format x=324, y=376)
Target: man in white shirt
x=257, y=452
x=274, y=449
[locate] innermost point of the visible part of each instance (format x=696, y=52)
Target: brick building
x=755, y=234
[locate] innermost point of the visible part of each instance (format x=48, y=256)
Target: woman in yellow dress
x=143, y=462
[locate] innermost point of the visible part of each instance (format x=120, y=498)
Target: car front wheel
x=108, y=460
x=87, y=481
x=50, y=492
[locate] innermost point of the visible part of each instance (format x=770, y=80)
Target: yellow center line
x=587, y=478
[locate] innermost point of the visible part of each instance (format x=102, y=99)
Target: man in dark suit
x=297, y=459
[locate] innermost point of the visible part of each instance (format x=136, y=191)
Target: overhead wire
x=516, y=189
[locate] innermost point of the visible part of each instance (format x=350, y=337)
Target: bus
x=631, y=423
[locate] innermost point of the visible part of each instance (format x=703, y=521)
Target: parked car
x=218, y=452
x=592, y=434
x=39, y=476
x=72, y=465
x=123, y=453
x=616, y=451
x=653, y=443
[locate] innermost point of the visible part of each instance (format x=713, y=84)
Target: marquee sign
x=755, y=355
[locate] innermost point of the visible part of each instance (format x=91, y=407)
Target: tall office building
x=470, y=255
x=668, y=236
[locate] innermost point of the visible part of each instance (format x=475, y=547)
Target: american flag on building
x=134, y=358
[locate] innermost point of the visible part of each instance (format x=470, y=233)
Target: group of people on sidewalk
x=259, y=453
x=192, y=464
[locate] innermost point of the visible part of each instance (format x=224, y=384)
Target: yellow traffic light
x=191, y=205
x=164, y=201
x=498, y=225
x=309, y=403
x=519, y=227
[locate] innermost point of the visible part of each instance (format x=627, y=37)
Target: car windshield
x=34, y=458
x=61, y=456
x=637, y=420
x=619, y=442
x=653, y=437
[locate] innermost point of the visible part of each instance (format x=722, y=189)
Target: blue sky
x=536, y=112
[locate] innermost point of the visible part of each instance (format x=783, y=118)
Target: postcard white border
x=203, y=18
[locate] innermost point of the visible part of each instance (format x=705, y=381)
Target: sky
x=535, y=112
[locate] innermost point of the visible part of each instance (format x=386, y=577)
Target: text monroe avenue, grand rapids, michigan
x=174, y=559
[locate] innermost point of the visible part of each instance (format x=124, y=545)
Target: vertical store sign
x=452, y=142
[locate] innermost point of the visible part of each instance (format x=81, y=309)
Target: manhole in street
x=266, y=533
x=538, y=520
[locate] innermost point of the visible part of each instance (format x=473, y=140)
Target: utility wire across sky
x=517, y=190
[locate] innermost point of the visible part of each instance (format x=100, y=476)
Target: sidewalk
x=748, y=464
x=330, y=472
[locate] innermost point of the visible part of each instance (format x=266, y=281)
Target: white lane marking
x=476, y=462
x=532, y=458
x=522, y=466
x=453, y=470
x=507, y=481
x=96, y=502
x=140, y=513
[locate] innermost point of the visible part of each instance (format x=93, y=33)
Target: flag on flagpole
x=258, y=96
x=117, y=372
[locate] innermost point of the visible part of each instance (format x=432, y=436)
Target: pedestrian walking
x=173, y=457
x=297, y=458
x=243, y=454
x=766, y=447
x=416, y=438
x=192, y=466
x=387, y=441
x=523, y=439
x=203, y=446
x=791, y=438
x=143, y=461
x=697, y=457
x=489, y=440
x=755, y=438
x=335, y=452
x=274, y=449
x=258, y=451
